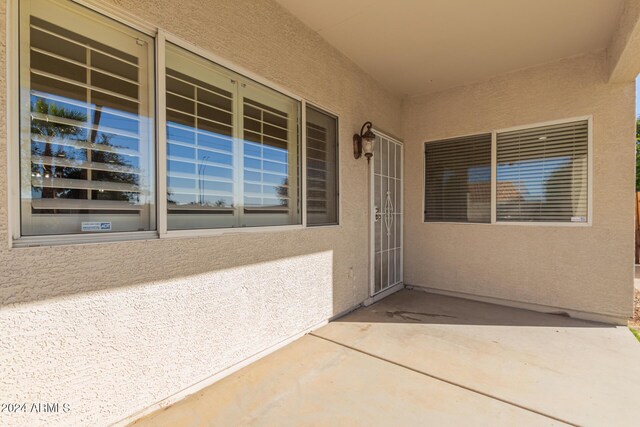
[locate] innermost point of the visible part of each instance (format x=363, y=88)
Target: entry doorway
x=386, y=213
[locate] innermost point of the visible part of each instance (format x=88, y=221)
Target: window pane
x=87, y=152
x=224, y=168
x=270, y=172
x=458, y=180
x=542, y=173
x=322, y=168
x=201, y=192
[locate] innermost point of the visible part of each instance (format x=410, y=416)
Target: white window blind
x=542, y=173
x=322, y=168
x=86, y=155
x=458, y=180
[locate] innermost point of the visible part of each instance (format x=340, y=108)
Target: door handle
x=377, y=215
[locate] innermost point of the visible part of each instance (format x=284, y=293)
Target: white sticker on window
x=96, y=226
x=578, y=219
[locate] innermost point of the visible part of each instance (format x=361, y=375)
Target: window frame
x=160, y=38
x=494, y=133
x=146, y=132
x=334, y=115
x=243, y=85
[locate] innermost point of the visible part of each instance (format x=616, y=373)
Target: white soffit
x=415, y=47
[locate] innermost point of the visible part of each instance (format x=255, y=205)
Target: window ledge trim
x=313, y=226
x=457, y=222
x=545, y=224
x=137, y=236
x=82, y=239
x=515, y=223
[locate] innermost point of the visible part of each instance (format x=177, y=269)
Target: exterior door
x=386, y=214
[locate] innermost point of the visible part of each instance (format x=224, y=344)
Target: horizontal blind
x=458, y=179
x=542, y=173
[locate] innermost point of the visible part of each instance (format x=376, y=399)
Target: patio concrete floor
x=416, y=358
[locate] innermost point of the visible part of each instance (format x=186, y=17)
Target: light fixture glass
x=364, y=142
x=367, y=147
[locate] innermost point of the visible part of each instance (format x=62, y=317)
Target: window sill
x=545, y=224
x=83, y=239
x=520, y=224
x=323, y=226
x=137, y=236
x=456, y=223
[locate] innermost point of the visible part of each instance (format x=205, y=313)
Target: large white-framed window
x=233, y=148
x=86, y=142
x=103, y=133
x=540, y=174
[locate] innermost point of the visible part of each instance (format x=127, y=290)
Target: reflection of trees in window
x=58, y=140
x=112, y=158
x=283, y=192
x=220, y=203
x=50, y=132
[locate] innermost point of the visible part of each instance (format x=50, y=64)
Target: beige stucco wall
x=587, y=269
x=113, y=328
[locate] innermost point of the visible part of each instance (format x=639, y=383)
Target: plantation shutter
x=266, y=158
x=322, y=179
x=542, y=173
x=199, y=146
x=201, y=153
x=270, y=162
x=232, y=148
x=458, y=179
x=90, y=126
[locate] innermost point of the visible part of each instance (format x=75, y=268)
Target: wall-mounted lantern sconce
x=363, y=143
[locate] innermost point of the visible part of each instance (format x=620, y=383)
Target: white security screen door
x=386, y=214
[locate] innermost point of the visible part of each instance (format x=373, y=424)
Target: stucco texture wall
x=113, y=328
x=587, y=269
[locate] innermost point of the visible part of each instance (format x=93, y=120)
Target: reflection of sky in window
x=199, y=165
x=479, y=174
x=474, y=174
x=117, y=128
x=195, y=166
x=266, y=170
x=266, y=167
x=530, y=176
x=115, y=133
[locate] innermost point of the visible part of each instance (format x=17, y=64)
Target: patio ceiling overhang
x=624, y=49
x=419, y=47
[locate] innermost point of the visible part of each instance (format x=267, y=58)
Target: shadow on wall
x=419, y=307
x=42, y=273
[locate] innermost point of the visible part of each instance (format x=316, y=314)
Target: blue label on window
x=96, y=226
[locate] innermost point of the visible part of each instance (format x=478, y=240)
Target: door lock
x=377, y=215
